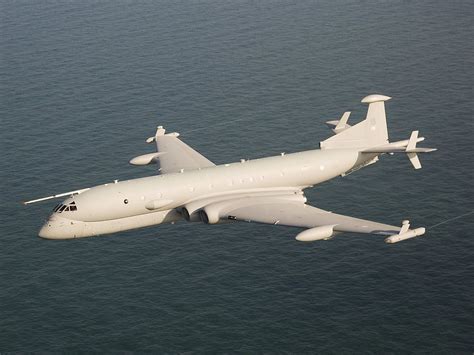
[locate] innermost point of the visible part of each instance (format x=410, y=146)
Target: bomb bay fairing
x=269, y=190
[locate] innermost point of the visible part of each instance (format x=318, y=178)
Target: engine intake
x=209, y=215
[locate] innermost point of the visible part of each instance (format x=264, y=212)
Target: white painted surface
x=267, y=190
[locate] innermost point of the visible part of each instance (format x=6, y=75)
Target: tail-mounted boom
x=407, y=146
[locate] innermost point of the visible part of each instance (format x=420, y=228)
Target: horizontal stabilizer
x=414, y=160
x=340, y=125
x=411, y=153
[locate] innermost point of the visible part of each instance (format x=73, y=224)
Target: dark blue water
x=84, y=83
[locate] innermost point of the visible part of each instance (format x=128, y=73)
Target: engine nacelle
x=190, y=216
x=210, y=214
x=317, y=233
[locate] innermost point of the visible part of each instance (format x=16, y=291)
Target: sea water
x=84, y=83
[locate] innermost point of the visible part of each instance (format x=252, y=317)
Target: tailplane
x=370, y=136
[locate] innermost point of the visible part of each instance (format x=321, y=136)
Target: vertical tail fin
x=370, y=132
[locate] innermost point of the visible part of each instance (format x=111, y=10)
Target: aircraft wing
x=302, y=215
x=173, y=154
x=320, y=224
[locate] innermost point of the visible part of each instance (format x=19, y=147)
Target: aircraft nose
x=56, y=228
x=45, y=231
x=50, y=230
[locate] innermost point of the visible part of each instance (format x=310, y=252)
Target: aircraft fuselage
x=160, y=199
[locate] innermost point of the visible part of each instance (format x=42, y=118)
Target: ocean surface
x=84, y=83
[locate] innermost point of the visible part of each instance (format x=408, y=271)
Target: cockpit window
x=65, y=208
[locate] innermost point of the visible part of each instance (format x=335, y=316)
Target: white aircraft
x=268, y=190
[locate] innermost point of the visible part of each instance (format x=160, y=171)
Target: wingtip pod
x=407, y=235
